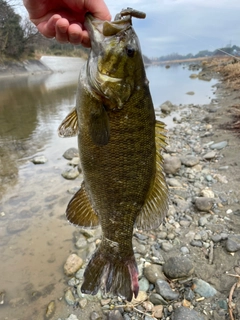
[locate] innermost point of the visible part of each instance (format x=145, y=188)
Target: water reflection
x=35, y=238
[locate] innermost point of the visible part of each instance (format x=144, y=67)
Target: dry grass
x=228, y=68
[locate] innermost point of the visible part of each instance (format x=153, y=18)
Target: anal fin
x=80, y=212
x=156, y=204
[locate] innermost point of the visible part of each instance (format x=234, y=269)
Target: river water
x=35, y=238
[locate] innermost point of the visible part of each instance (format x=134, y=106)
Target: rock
x=190, y=93
x=157, y=299
x=70, y=174
x=203, y=288
x=73, y=264
x=166, y=107
x=193, y=76
x=69, y=298
x=178, y=267
x=95, y=316
x=166, y=246
x=219, y=145
x=174, y=183
x=207, y=193
x=72, y=317
x=81, y=243
x=70, y=153
x=153, y=272
x=203, y=203
x=189, y=161
x=163, y=288
x=210, y=155
x=143, y=284
x=115, y=315
x=74, y=162
x=185, y=250
x=171, y=165
x=202, y=221
x=17, y=225
x=50, y=309
x=196, y=243
x=184, y=313
x=216, y=238
x=39, y=160
x=157, y=311
x=233, y=243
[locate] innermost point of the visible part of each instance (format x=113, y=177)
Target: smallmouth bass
x=120, y=145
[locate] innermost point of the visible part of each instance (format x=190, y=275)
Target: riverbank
x=189, y=267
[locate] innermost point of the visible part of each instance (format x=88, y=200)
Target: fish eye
x=130, y=51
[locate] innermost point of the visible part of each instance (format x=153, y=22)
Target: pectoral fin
x=156, y=204
x=69, y=126
x=99, y=126
x=80, y=211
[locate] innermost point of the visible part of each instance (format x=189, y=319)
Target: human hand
x=63, y=19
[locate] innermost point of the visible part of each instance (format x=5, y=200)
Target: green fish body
x=120, y=145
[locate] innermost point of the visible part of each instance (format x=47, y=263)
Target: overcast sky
x=183, y=26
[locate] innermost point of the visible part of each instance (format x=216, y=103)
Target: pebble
x=73, y=264
x=83, y=303
x=171, y=165
x=207, y=193
x=72, y=317
x=74, y=161
x=70, y=173
x=210, y=155
x=115, y=315
x=203, y=203
x=184, y=313
x=174, y=183
x=233, y=243
x=178, y=267
x=166, y=246
x=196, y=243
x=95, y=316
x=70, y=153
x=216, y=238
x=219, y=145
x=203, y=288
x=158, y=311
x=39, y=160
x=143, y=284
x=163, y=288
x=50, y=309
x=189, y=161
x=69, y=298
x=157, y=299
x=202, y=221
x=166, y=107
x=184, y=250
x=153, y=272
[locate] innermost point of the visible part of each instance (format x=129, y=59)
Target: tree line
x=19, y=38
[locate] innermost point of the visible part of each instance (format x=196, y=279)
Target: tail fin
x=118, y=276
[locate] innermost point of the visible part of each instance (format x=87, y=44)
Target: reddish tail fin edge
x=111, y=274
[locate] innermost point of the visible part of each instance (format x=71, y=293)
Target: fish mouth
x=99, y=29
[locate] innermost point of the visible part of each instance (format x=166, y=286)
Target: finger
x=85, y=39
x=98, y=9
x=62, y=26
x=75, y=33
x=47, y=28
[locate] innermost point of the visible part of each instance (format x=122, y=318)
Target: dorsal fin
x=80, y=212
x=156, y=204
x=69, y=126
